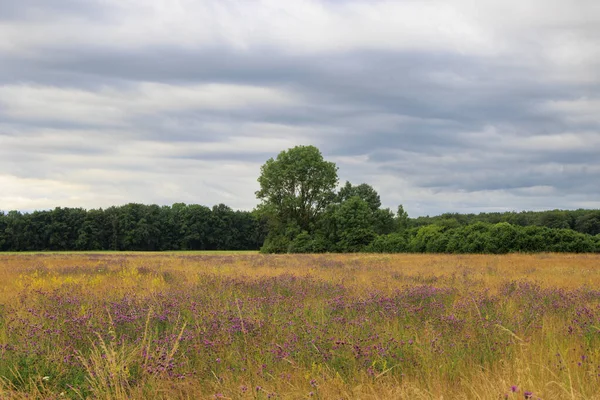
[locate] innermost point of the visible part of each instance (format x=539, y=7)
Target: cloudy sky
x=449, y=105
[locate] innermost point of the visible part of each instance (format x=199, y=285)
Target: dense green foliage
x=300, y=212
x=352, y=220
x=584, y=221
x=131, y=227
x=485, y=238
x=350, y=226
x=296, y=187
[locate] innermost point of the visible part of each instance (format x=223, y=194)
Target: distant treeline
x=487, y=238
x=349, y=225
x=443, y=234
x=584, y=221
x=134, y=227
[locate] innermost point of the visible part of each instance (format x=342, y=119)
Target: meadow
x=251, y=326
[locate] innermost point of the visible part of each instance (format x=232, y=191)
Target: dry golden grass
x=370, y=270
x=114, y=368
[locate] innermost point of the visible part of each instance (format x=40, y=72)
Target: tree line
x=132, y=227
x=302, y=210
x=306, y=213
x=583, y=221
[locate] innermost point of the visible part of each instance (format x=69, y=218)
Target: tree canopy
x=136, y=227
x=297, y=186
x=364, y=191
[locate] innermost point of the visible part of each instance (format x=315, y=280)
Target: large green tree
x=297, y=186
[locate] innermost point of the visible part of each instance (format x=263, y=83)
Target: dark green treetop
x=297, y=186
x=363, y=191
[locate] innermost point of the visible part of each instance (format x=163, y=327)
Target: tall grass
x=112, y=326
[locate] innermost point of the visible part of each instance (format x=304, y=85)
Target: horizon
x=210, y=206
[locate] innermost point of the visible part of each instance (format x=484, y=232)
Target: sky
x=441, y=106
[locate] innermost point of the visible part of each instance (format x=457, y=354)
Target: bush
x=355, y=240
x=303, y=243
x=532, y=239
x=320, y=244
x=425, y=238
x=275, y=244
x=569, y=241
x=392, y=243
x=503, y=238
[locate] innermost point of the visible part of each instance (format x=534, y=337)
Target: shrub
x=392, y=243
x=275, y=244
x=303, y=243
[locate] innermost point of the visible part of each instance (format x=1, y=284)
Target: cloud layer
x=441, y=105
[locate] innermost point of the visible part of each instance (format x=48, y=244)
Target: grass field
x=250, y=326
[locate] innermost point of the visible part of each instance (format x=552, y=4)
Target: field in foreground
x=250, y=326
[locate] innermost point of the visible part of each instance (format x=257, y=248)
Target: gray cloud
x=25, y=10
x=440, y=106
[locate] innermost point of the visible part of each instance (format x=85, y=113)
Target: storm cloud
x=442, y=105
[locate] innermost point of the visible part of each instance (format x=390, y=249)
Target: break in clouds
x=442, y=106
